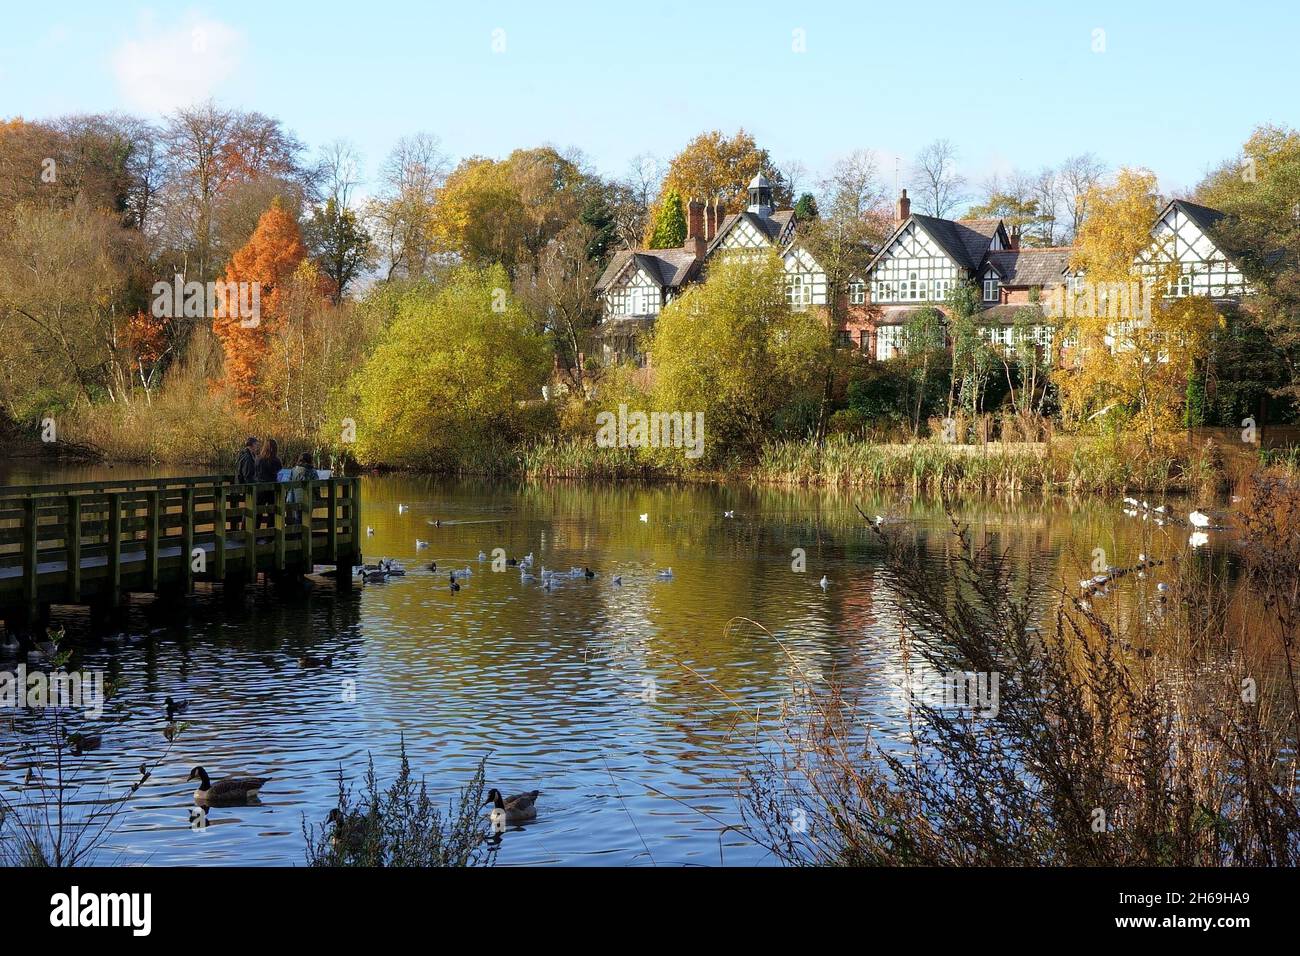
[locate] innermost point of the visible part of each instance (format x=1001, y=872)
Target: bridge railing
x=62, y=535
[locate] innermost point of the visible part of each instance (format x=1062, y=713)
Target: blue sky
x=1177, y=87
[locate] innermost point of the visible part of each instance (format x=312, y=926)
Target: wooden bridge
x=93, y=543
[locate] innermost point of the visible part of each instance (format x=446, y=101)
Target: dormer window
x=990, y=289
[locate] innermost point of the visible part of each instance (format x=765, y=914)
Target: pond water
x=618, y=702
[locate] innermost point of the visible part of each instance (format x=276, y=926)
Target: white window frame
x=990, y=285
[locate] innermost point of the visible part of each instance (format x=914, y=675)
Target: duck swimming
x=227, y=790
x=506, y=811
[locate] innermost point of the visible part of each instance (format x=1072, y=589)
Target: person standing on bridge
x=245, y=473
x=268, y=469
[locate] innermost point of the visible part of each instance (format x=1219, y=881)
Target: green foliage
x=600, y=218
x=447, y=374
x=670, y=227
x=1194, y=407
x=805, y=209
x=733, y=349
x=400, y=826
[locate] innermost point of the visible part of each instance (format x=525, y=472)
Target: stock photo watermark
x=684, y=430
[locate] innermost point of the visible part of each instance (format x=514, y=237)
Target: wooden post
x=73, y=547
x=354, y=494
x=154, y=504
x=250, y=530
x=219, y=530
x=278, y=523
x=305, y=510
x=332, y=529
x=187, y=536
x=31, y=553
x=115, y=548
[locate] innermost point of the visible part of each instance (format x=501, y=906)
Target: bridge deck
x=94, y=542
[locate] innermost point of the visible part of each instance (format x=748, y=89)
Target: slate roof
x=964, y=240
x=1031, y=267
x=772, y=226
x=667, y=268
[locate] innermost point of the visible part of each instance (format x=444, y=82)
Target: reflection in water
x=618, y=702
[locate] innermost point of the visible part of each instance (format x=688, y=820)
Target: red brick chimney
x=903, y=208
x=695, y=236
x=1014, y=238
x=713, y=216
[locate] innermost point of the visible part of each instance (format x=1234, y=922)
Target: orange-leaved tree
x=249, y=299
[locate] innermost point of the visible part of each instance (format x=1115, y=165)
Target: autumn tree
x=1257, y=361
x=265, y=262
x=400, y=216
x=65, y=293
x=714, y=166
x=1132, y=348
x=559, y=293
x=507, y=210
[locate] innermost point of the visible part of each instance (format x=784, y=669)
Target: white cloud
x=166, y=66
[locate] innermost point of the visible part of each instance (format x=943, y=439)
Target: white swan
x=1199, y=519
x=420, y=545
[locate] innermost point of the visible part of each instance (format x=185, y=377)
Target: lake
x=619, y=702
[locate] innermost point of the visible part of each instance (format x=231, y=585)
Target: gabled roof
x=1205, y=218
x=1031, y=267
x=773, y=226
x=667, y=268
x=964, y=240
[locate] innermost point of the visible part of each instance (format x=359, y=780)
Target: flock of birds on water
x=243, y=789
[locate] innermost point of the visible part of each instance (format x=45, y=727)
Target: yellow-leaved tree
x=444, y=382
x=732, y=348
x=1127, y=347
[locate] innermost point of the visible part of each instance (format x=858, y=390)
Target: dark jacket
x=268, y=469
x=245, y=467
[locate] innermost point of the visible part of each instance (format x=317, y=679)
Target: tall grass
x=1073, y=466
x=1166, y=735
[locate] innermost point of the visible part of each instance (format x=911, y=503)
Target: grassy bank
x=207, y=431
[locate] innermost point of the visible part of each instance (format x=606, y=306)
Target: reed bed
x=1163, y=735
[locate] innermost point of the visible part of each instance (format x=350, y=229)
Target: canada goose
x=516, y=809
x=824, y=583
x=420, y=544
x=1199, y=519
x=588, y=573
x=227, y=790
x=175, y=707
x=374, y=576
x=349, y=831
x=308, y=660
x=80, y=743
